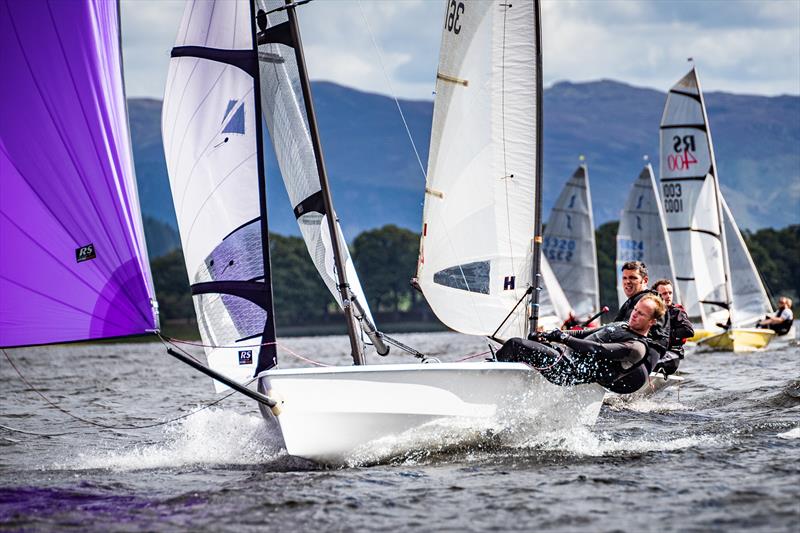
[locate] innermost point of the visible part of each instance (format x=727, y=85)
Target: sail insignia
x=234, y=122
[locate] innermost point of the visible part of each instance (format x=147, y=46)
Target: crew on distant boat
x=634, y=285
x=618, y=356
x=781, y=323
x=679, y=326
x=572, y=322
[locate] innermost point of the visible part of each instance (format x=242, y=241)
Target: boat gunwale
x=482, y=366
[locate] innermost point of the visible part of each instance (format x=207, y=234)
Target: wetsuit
x=679, y=329
x=612, y=355
x=787, y=318
x=658, y=338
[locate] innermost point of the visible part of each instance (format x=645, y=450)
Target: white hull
x=368, y=413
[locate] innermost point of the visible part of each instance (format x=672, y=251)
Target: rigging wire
x=391, y=90
x=110, y=426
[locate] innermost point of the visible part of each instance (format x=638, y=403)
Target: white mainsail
x=642, y=235
x=749, y=298
x=569, y=244
x=478, y=220
x=692, y=211
x=210, y=144
x=283, y=109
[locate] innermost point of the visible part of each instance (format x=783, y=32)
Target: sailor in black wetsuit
x=781, y=323
x=634, y=285
x=679, y=329
x=617, y=356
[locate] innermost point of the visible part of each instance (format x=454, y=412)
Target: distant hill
x=376, y=178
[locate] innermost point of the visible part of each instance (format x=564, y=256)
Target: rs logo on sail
x=84, y=253
x=683, y=157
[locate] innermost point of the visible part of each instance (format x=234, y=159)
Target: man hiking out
x=617, y=356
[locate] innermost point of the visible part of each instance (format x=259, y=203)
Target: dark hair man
x=617, y=355
x=679, y=329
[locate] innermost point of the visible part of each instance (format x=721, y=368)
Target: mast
x=344, y=288
x=267, y=355
x=536, y=277
x=718, y=196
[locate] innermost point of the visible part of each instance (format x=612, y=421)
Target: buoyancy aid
x=784, y=327
x=624, y=380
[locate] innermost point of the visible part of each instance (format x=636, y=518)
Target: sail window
x=472, y=277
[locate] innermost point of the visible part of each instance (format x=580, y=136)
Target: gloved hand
x=554, y=335
x=537, y=336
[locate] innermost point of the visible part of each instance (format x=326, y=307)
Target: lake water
x=722, y=452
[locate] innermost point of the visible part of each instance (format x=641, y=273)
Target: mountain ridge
x=377, y=180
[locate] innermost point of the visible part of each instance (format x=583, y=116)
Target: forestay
x=75, y=264
x=750, y=300
x=692, y=212
x=642, y=235
x=283, y=109
x=478, y=220
x=569, y=244
x=210, y=144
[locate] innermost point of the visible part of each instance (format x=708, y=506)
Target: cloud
x=744, y=47
x=739, y=46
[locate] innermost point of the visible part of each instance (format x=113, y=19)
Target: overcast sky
x=739, y=46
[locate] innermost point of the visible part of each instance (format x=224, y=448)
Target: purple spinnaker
x=73, y=262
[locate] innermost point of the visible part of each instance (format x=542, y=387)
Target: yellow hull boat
x=738, y=340
x=700, y=334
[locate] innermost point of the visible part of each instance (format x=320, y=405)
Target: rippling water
x=720, y=453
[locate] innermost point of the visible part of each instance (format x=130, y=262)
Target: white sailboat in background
x=569, y=244
x=642, y=234
x=235, y=60
x=705, y=240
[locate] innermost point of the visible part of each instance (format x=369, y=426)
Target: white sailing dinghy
x=216, y=91
x=716, y=277
x=569, y=244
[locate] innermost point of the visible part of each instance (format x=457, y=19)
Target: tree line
x=386, y=260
